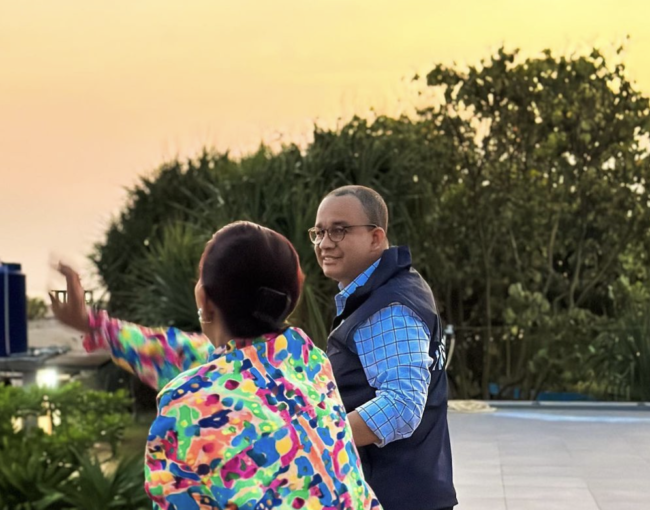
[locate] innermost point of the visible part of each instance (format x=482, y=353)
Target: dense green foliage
x=59, y=469
x=521, y=189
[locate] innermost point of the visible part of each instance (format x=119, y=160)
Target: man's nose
x=326, y=243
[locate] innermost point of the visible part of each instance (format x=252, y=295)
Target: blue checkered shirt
x=393, y=346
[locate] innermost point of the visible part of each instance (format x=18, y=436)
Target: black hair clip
x=271, y=306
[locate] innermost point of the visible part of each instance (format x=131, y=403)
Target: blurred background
x=511, y=140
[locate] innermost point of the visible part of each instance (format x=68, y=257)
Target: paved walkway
x=529, y=459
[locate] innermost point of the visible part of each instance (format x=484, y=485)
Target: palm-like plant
x=100, y=487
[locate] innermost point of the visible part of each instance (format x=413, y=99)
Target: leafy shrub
x=36, y=309
x=61, y=470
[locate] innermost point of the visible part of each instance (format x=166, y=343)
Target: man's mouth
x=328, y=259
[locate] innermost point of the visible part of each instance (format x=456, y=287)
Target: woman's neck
x=217, y=335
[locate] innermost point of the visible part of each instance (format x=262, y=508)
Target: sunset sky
x=93, y=94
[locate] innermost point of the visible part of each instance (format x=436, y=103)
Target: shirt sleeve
x=393, y=346
x=155, y=355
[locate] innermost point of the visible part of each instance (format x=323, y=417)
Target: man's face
x=343, y=261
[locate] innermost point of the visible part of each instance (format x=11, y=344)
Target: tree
x=554, y=172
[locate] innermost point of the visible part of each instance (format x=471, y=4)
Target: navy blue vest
x=413, y=473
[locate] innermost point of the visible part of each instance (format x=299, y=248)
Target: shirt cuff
x=96, y=339
x=376, y=420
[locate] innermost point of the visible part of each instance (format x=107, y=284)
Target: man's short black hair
x=372, y=202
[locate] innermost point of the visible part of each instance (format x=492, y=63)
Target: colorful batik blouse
x=255, y=424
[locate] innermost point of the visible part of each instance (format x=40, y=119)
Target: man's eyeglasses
x=336, y=234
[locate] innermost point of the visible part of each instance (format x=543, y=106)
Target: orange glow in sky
x=93, y=94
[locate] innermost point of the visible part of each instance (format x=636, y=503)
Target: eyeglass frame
x=344, y=229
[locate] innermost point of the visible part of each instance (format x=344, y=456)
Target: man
x=386, y=353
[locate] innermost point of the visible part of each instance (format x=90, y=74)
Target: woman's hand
x=73, y=312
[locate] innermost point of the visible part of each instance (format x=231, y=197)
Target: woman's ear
x=202, y=301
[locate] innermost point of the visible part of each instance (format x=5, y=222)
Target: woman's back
x=260, y=426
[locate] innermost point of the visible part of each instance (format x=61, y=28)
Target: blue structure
x=13, y=310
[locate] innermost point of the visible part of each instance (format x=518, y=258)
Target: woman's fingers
x=72, y=312
x=56, y=304
x=71, y=276
x=73, y=284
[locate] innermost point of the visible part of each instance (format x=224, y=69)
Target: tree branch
x=578, y=266
x=551, y=247
x=615, y=253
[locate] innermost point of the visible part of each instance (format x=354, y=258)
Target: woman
x=252, y=418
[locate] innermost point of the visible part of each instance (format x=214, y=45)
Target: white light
x=47, y=378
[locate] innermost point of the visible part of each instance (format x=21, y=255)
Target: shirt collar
x=240, y=343
x=359, y=281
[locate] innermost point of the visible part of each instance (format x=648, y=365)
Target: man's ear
x=379, y=239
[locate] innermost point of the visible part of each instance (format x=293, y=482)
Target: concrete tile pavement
x=526, y=458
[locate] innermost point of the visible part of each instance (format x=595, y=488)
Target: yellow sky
x=94, y=93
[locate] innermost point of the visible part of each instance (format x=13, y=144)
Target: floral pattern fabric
x=255, y=424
